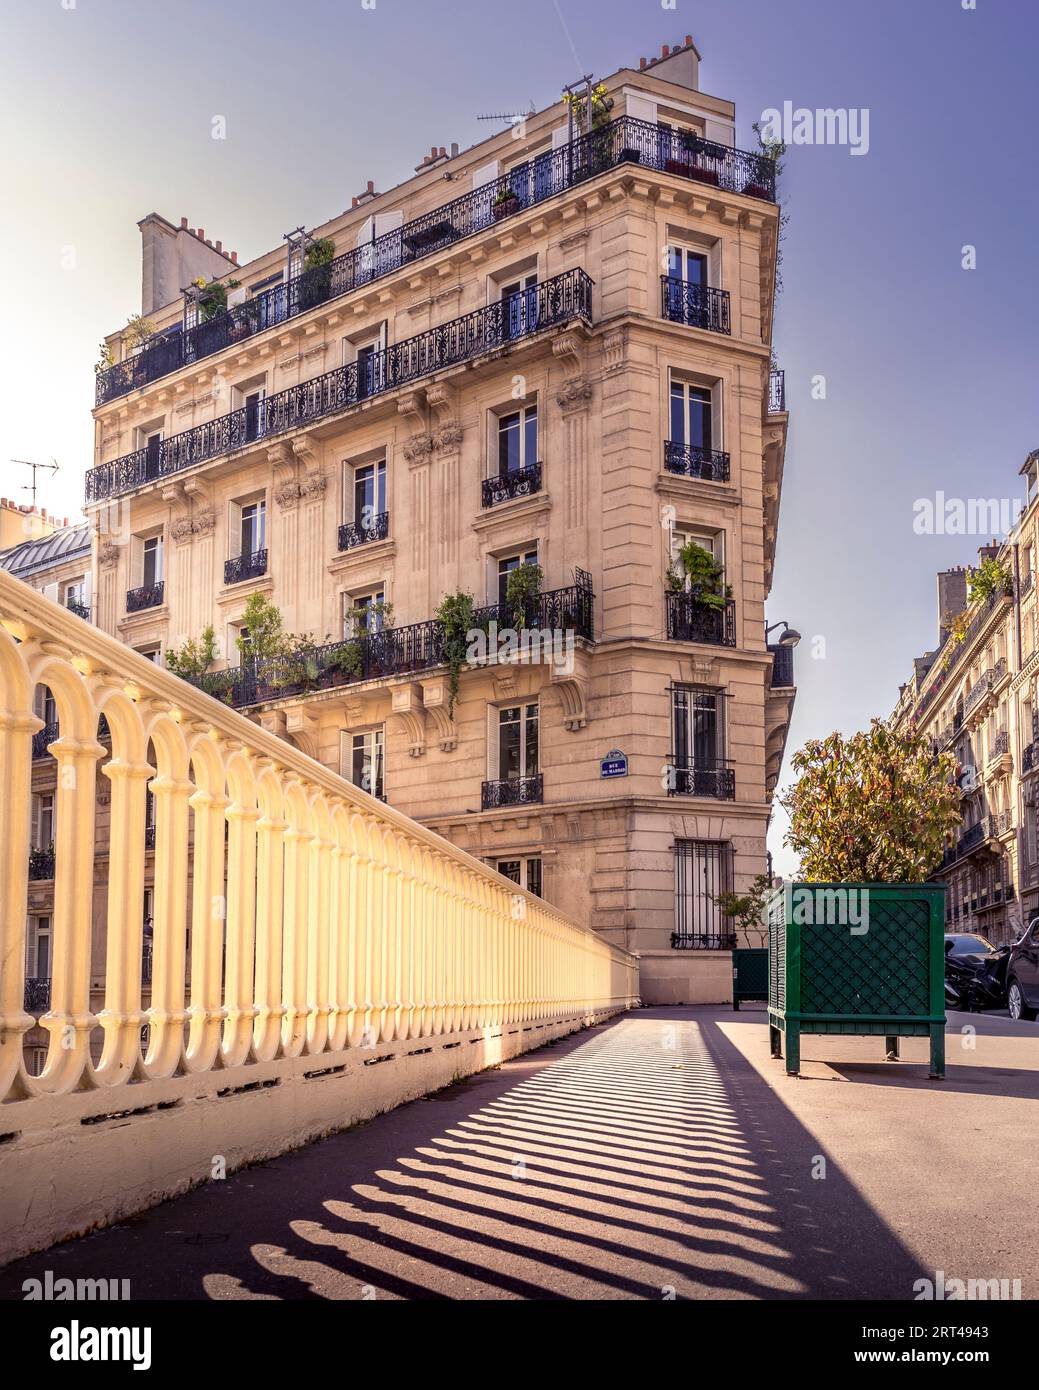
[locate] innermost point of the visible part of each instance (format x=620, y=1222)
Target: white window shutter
x=486, y=174
x=51, y=591
x=641, y=108
x=388, y=222
x=87, y=588
x=561, y=136
x=365, y=234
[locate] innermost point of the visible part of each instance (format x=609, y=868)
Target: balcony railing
x=703, y=941
x=512, y=791
x=776, y=392
x=392, y=651
x=562, y=299
x=999, y=823
x=80, y=609
x=697, y=306
x=688, y=620
x=353, y=533
x=514, y=482
x=42, y=737
x=251, y=565
x=626, y=140
x=692, y=461
x=685, y=779
x=37, y=999
x=41, y=863
x=977, y=622
x=145, y=596
x=149, y=836
x=1000, y=745
x=782, y=667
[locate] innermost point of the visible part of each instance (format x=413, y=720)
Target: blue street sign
x=615, y=764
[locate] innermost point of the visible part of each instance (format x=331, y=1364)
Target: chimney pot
x=688, y=40
x=371, y=186
x=234, y=257
x=432, y=151
x=454, y=148
x=664, y=51
x=201, y=234
x=184, y=223
x=642, y=62
x=443, y=152
x=220, y=246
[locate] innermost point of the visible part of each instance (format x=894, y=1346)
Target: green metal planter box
x=857, y=958
x=749, y=974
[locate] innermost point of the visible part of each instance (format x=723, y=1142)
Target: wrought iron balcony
x=512, y=791
x=692, y=461
x=42, y=737
x=686, y=779
x=251, y=565
x=41, y=863
x=689, y=620
x=80, y=609
x=37, y=999
x=356, y=533
x=703, y=941
x=1028, y=757
x=514, y=482
x=999, y=823
x=697, y=306
x=146, y=596
x=782, y=667
x=624, y=141
x=562, y=299
x=776, y=392
x=149, y=836
x=1000, y=745
x=392, y=651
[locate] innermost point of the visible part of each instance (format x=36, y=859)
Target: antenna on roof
x=51, y=467
x=509, y=115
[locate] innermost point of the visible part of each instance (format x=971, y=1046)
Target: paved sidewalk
x=661, y=1155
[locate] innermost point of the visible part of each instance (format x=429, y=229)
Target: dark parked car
x=1023, y=974
x=975, y=972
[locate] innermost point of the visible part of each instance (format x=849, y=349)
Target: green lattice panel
x=883, y=971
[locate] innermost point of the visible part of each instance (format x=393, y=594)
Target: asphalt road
x=662, y=1155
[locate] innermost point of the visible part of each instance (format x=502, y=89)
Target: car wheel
x=1016, y=1004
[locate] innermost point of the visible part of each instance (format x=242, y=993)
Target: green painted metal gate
x=749, y=974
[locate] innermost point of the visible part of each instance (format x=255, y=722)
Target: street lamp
x=789, y=637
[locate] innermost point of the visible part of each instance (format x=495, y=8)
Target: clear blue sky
x=930, y=370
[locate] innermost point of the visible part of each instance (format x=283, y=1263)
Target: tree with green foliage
x=194, y=658
x=746, y=911
x=872, y=808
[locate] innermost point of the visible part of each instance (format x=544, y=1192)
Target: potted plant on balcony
x=212, y=297
x=856, y=943
x=523, y=593
x=137, y=332
x=192, y=661
x=315, y=285
x=505, y=204
x=991, y=577
x=345, y=661
x=701, y=577
x=456, y=616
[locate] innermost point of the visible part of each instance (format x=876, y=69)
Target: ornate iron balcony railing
x=146, y=596
x=776, y=392
x=685, y=779
x=782, y=667
x=624, y=141
x=1000, y=745
x=697, y=306
x=37, y=998
x=688, y=620
x=392, y=651
x=80, y=609
x=703, y=941
x=42, y=737
x=1028, y=757
x=251, y=565
x=149, y=836
x=41, y=863
x=562, y=299
x=353, y=533
x=512, y=791
x=515, y=482
x=692, y=461
x=999, y=823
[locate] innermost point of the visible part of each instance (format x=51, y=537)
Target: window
x=43, y=820
x=253, y=528
x=149, y=653
x=687, y=265
x=518, y=439
x=698, y=728
x=364, y=612
x=75, y=593
x=148, y=938
x=691, y=416
x=519, y=302
x=149, y=438
x=367, y=352
x=44, y=705
x=38, y=948
x=703, y=871
x=255, y=418
x=369, y=494
x=366, y=762
x=151, y=562
x=517, y=742
x=524, y=872
x=508, y=563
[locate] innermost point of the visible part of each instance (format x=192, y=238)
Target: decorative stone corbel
x=568, y=350
x=448, y=434
x=303, y=449
x=303, y=729
x=107, y=555
x=418, y=448
x=574, y=394
x=406, y=706
x=436, y=702
x=409, y=407
x=571, y=683
x=615, y=351
x=285, y=483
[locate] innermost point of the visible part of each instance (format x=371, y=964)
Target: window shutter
x=487, y=174
x=561, y=136
x=51, y=591
x=641, y=108
x=388, y=222
x=364, y=235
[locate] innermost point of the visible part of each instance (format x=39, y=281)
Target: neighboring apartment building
x=57, y=562
x=543, y=350
x=975, y=695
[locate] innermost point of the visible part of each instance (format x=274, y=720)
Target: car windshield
x=969, y=945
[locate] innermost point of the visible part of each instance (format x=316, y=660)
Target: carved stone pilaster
x=574, y=394
x=615, y=352
x=107, y=555
x=418, y=448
